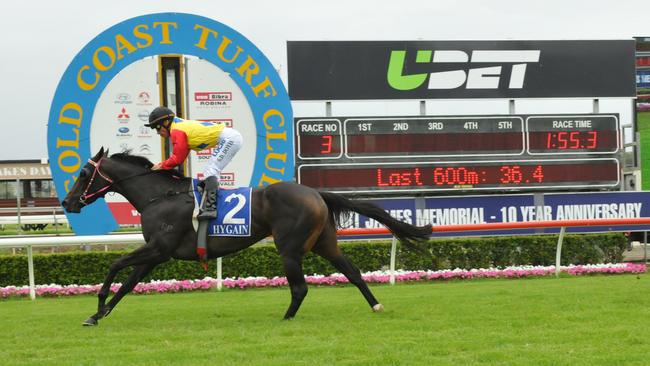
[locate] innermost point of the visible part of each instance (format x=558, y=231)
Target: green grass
x=596, y=320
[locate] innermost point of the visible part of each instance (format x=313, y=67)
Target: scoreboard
x=459, y=153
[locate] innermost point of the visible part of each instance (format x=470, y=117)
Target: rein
x=85, y=195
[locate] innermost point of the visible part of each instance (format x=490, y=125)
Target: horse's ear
x=99, y=154
x=106, y=153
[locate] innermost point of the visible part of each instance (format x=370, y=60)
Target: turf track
x=594, y=320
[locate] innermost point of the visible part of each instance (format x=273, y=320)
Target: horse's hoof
x=378, y=308
x=90, y=322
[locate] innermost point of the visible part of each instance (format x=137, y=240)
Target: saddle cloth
x=233, y=211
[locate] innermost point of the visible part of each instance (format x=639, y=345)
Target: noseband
x=85, y=196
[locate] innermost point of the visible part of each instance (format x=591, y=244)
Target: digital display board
x=439, y=153
x=576, y=135
x=531, y=174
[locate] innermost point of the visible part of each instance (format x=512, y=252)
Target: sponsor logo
x=123, y=117
x=123, y=98
x=144, y=149
x=225, y=179
x=203, y=96
x=123, y=132
x=144, y=131
x=144, y=98
x=204, y=154
x=493, y=65
x=143, y=115
x=213, y=99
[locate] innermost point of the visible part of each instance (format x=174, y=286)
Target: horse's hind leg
x=292, y=244
x=327, y=247
x=296, y=278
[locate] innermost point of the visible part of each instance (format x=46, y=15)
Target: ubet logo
x=474, y=78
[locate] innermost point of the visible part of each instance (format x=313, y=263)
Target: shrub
x=263, y=260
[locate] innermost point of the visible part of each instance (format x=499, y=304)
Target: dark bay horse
x=299, y=218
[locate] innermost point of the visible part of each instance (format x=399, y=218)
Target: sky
x=39, y=39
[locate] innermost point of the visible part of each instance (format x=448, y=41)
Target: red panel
x=124, y=213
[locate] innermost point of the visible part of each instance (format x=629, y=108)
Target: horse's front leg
x=145, y=259
x=136, y=275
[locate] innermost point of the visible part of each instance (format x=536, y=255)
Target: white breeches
x=230, y=142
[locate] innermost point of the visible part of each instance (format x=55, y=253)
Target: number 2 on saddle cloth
x=233, y=215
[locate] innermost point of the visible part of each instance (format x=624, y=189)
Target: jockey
x=189, y=135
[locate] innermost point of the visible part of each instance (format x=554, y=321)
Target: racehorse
x=299, y=218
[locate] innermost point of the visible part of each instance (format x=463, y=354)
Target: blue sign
x=459, y=210
x=233, y=211
x=68, y=134
x=643, y=78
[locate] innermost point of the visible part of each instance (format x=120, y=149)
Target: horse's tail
x=407, y=233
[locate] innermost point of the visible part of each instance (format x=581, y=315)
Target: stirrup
x=210, y=196
x=208, y=210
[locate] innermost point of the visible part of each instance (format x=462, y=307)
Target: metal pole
x=219, y=274
x=393, y=254
x=645, y=247
x=30, y=268
x=18, y=190
x=56, y=222
x=558, y=252
x=328, y=109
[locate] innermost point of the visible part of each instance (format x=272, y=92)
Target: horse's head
x=91, y=184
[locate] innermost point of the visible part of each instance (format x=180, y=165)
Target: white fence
x=46, y=215
x=33, y=219
x=49, y=241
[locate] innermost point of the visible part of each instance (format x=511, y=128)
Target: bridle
x=85, y=196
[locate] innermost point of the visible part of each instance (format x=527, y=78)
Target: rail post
x=219, y=274
x=30, y=269
x=18, y=196
x=56, y=226
x=645, y=247
x=393, y=254
x=558, y=251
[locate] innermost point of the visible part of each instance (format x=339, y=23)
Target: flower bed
x=334, y=279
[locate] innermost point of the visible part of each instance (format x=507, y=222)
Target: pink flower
x=209, y=283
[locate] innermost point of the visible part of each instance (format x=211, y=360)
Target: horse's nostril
x=64, y=203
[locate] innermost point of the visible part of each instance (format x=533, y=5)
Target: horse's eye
x=83, y=173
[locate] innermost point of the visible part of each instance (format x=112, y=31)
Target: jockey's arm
x=180, y=150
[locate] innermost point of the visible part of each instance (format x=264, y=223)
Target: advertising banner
x=459, y=210
x=357, y=70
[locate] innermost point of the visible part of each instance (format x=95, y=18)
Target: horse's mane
x=143, y=162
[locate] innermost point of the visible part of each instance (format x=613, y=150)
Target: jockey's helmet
x=158, y=116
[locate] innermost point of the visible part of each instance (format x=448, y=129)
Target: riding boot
x=209, y=207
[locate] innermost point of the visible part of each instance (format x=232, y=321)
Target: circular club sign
x=81, y=86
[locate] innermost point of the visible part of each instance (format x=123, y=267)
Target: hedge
x=263, y=260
